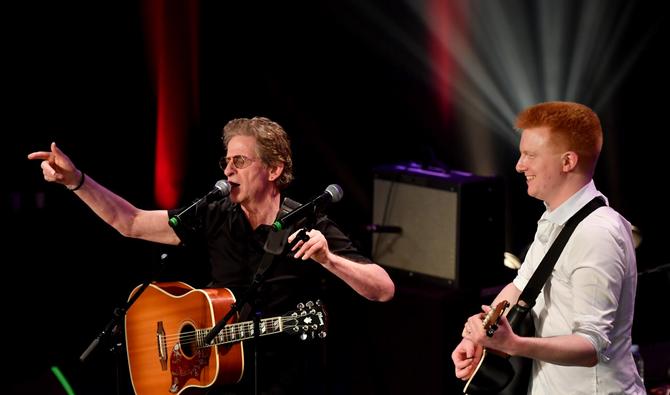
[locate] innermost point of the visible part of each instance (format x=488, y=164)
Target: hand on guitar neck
x=480, y=327
x=469, y=352
x=490, y=334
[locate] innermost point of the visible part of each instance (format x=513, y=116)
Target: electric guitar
x=165, y=330
x=496, y=373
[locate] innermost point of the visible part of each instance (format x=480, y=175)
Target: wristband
x=81, y=182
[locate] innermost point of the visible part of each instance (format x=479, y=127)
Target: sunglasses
x=239, y=161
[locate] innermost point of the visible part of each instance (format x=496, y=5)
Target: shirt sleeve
x=338, y=243
x=194, y=226
x=595, y=266
x=526, y=270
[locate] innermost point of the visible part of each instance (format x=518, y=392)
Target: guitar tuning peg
x=310, y=304
x=301, y=306
x=318, y=302
x=322, y=335
x=303, y=336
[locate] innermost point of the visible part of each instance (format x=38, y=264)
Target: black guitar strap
x=274, y=246
x=513, y=378
x=545, y=268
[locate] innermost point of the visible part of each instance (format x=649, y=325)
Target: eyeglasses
x=239, y=161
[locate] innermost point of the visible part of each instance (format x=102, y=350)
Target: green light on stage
x=63, y=381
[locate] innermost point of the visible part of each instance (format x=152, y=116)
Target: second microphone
x=332, y=194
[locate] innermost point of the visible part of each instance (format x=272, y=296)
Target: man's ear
x=569, y=161
x=275, y=172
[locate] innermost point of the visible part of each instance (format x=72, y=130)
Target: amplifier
x=446, y=225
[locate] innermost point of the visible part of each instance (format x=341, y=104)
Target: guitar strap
x=274, y=245
x=519, y=319
x=539, y=277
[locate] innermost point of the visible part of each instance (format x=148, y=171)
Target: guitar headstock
x=309, y=321
x=490, y=322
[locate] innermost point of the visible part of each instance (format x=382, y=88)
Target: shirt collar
x=568, y=208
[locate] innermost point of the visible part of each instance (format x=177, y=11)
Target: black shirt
x=235, y=252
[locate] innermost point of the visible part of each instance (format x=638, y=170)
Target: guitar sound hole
x=187, y=340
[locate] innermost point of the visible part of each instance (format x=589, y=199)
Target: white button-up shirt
x=591, y=293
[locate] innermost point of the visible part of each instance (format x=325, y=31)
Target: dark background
x=350, y=99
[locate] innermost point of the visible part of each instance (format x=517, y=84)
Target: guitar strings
x=238, y=328
x=231, y=332
x=191, y=337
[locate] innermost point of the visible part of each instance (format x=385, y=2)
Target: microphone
x=332, y=194
x=221, y=190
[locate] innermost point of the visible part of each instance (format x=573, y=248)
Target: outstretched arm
x=130, y=221
x=369, y=280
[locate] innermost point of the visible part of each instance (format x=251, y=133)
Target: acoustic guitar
x=493, y=370
x=496, y=372
x=165, y=330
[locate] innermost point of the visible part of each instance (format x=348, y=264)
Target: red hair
x=572, y=126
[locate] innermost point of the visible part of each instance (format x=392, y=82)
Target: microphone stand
x=657, y=269
x=112, y=327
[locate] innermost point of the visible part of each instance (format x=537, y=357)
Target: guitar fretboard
x=241, y=331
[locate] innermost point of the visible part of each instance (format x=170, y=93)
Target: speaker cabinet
x=451, y=225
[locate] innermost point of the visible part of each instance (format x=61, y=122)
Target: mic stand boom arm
x=119, y=313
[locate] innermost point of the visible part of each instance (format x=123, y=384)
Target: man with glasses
x=258, y=167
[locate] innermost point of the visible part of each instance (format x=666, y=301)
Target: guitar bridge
x=162, y=345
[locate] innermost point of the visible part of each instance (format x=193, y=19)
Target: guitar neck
x=242, y=331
